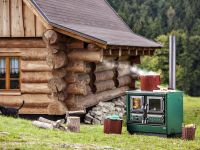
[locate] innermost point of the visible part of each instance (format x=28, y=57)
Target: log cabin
x=65, y=55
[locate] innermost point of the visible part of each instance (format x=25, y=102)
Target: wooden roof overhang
x=109, y=48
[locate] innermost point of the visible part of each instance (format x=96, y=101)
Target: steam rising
x=126, y=67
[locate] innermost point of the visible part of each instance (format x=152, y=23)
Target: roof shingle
x=92, y=18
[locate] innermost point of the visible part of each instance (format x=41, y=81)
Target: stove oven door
x=137, y=104
x=137, y=118
x=155, y=105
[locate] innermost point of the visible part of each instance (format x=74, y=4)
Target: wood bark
x=56, y=84
x=4, y=18
x=74, y=77
x=35, y=88
x=73, y=124
x=34, y=54
x=104, y=85
x=59, y=96
x=54, y=123
x=31, y=100
x=78, y=66
x=60, y=73
x=17, y=23
x=75, y=44
x=104, y=66
x=42, y=125
x=52, y=37
x=104, y=75
x=34, y=66
x=36, y=77
x=56, y=61
x=57, y=108
x=22, y=43
x=123, y=72
x=126, y=81
x=84, y=55
x=77, y=88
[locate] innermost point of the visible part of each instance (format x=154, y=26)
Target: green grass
x=20, y=134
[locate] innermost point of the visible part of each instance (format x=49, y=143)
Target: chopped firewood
x=42, y=125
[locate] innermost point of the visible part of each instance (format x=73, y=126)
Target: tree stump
x=73, y=124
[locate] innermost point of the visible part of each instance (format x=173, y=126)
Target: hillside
x=158, y=19
x=21, y=134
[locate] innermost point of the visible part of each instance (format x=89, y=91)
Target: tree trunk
x=84, y=55
x=73, y=124
x=56, y=61
x=78, y=66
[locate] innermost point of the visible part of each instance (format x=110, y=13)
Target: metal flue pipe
x=172, y=62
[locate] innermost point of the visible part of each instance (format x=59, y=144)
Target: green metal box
x=155, y=112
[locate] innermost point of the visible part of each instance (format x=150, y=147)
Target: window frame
x=7, y=77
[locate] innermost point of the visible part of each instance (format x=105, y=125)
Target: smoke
x=125, y=67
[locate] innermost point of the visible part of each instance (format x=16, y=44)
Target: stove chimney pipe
x=172, y=62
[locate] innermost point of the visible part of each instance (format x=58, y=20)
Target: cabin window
x=9, y=73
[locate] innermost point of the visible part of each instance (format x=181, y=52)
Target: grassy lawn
x=20, y=134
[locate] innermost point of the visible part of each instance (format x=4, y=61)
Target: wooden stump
x=73, y=124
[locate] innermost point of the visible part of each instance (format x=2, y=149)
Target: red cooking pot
x=149, y=82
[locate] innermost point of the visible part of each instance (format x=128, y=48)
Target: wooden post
x=73, y=124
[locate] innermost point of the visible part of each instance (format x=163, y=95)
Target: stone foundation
x=98, y=113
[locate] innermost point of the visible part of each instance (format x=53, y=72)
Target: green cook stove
x=157, y=113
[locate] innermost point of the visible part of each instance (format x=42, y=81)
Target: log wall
x=60, y=74
x=17, y=20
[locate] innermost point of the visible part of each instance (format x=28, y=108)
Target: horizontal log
x=126, y=81
x=35, y=88
x=93, y=47
x=104, y=66
x=34, y=54
x=78, y=66
x=34, y=66
x=74, y=77
x=77, y=88
x=52, y=37
x=56, y=84
x=84, y=55
x=56, y=61
x=124, y=65
x=36, y=77
x=75, y=44
x=104, y=85
x=34, y=110
x=31, y=100
x=82, y=102
x=57, y=108
x=42, y=125
x=22, y=43
x=58, y=96
x=123, y=72
x=104, y=75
